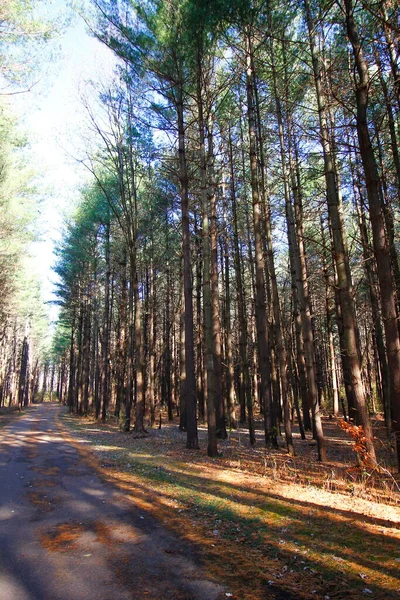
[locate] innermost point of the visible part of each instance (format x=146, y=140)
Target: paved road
x=67, y=535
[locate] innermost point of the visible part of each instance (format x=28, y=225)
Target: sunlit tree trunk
x=230, y=389
x=280, y=342
x=105, y=332
x=121, y=349
x=207, y=293
x=72, y=367
x=350, y=335
x=374, y=299
x=329, y=309
x=379, y=237
x=190, y=387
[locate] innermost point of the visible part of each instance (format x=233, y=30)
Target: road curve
x=65, y=534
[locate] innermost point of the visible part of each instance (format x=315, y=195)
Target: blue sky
x=54, y=117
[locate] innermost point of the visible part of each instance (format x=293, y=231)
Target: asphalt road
x=67, y=535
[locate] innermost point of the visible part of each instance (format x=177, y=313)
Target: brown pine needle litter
x=266, y=525
x=65, y=537
x=42, y=501
x=62, y=538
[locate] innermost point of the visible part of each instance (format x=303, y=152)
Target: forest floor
x=265, y=524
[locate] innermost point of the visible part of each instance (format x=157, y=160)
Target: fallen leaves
x=64, y=537
x=61, y=538
x=42, y=501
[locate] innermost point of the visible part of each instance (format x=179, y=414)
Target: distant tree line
x=25, y=370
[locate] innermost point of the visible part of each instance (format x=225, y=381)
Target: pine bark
x=244, y=373
x=190, y=377
x=350, y=333
x=209, y=357
x=216, y=318
x=260, y=297
x=106, y=321
x=379, y=237
x=276, y=309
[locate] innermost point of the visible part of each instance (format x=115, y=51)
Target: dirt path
x=67, y=535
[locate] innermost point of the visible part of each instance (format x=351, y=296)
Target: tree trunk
x=380, y=242
x=23, y=372
x=199, y=323
x=230, y=389
x=334, y=384
x=216, y=320
x=350, y=333
x=191, y=416
x=244, y=374
x=280, y=342
x=139, y=363
x=260, y=301
x=374, y=300
x=212, y=449
x=72, y=364
x=104, y=386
